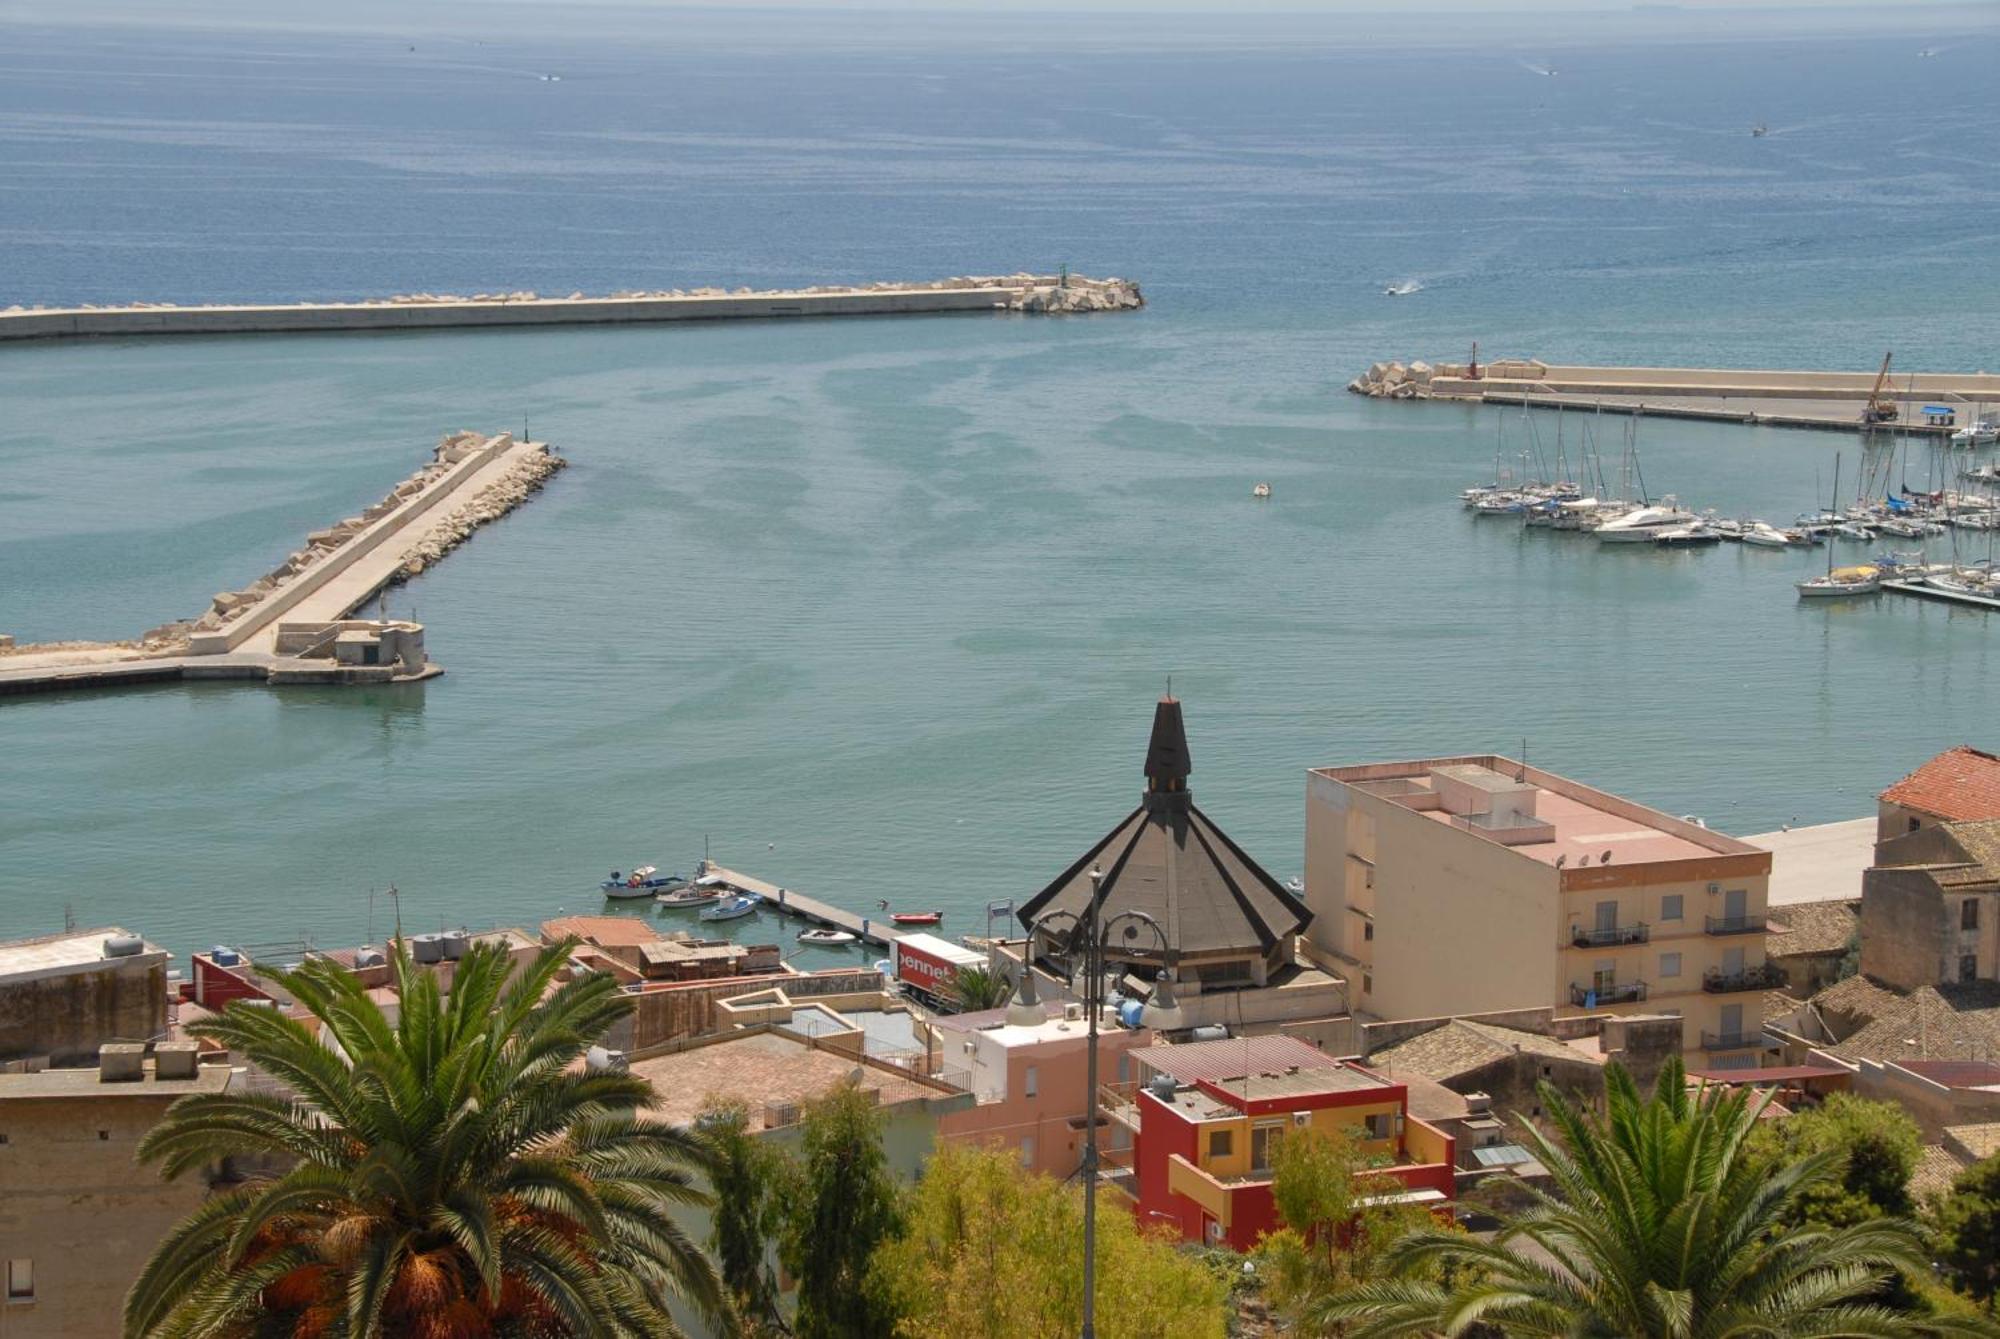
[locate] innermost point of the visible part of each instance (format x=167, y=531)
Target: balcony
x=1596, y=997
x=1761, y=977
x=1617, y=934
x=1733, y=925
x=1733, y=1041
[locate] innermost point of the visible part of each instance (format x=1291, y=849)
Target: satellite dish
x=1561, y=860
x=1604, y=859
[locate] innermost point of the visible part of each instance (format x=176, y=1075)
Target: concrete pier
x=870, y=930
x=1031, y=293
x=1779, y=398
x=295, y=624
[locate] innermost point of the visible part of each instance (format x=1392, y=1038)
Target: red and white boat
x=916, y=917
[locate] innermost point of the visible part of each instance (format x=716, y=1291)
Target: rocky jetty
x=1394, y=381
x=494, y=501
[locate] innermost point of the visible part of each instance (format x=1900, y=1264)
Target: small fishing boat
x=916, y=917
x=1981, y=432
x=645, y=881
x=823, y=936
x=734, y=908
x=1260, y=490
x=688, y=895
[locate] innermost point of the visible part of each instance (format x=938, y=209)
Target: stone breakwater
x=1394, y=381
x=1050, y=294
x=522, y=480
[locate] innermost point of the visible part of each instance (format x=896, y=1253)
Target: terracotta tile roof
x=1811, y=927
x=1220, y=1061
x=1936, y=1169
x=1460, y=1046
x=1977, y=1142
x=604, y=931
x=1956, y=1073
x=760, y=1069
x=1953, y=1022
x=1959, y=783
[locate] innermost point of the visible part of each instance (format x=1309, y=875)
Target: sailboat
x=1845, y=581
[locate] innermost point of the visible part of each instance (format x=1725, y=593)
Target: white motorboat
x=1979, y=432
x=1260, y=490
x=1854, y=530
x=1644, y=525
x=1764, y=535
x=826, y=937
x=1687, y=537
x=1842, y=581
x=688, y=895
x=734, y=908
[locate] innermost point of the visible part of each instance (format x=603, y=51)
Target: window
x=20, y=1280
x=1368, y=928
x=1670, y=965
x=1381, y=1125
x=1367, y=984
x=1968, y=914
x=1029, y=1085
x=1916, y=823
x=104, y=1135
x=1670, y=907
x=1028, y=1150
x=1548, y=1071
x=1968, y=967
x=1264, y=1141
x=1221, y=1143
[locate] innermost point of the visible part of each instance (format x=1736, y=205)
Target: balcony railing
x=1731, y=1041
x=1591, y=997
x=1763, y=977
x=1617, y=934
x=1734, y=925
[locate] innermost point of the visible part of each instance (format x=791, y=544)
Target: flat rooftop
x=1303, y=1083
x=1558, y=819
x=61, y=954
x=760, y=1068
x=59, y=1084
x=1820, y=863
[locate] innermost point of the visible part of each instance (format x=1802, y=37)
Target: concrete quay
x=294, y=625
x=791, y=902
x=1030, y=293
x=1778, y=398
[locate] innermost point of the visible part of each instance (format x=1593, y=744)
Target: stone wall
x=689, y=1010
x=1902, y=928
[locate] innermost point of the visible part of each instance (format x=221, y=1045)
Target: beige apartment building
x=1469, y=885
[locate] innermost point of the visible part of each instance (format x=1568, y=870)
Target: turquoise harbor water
x=879, y=608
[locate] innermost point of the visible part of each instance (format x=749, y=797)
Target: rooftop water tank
x=223, y=956
x=1162, y=1086
x=1210, y=1032
x=122, y=946
x=604, y=1060
x=427, y=948
x=1129, y=1012
x=455, y=944
x=367, y=956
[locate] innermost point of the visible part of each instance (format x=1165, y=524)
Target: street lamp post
x=1089, y=936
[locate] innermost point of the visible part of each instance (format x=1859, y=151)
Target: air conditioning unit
x=1302, y=1119
x=1073, y=1012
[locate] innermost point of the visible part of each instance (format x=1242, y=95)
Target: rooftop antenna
x=69, y=918
x=1521, y=772
x=1170, y=685
x=397, y=898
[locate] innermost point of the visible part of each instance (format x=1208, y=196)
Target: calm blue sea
x=878, y=609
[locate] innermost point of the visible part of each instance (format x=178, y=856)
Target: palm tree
x=1663, y=1228
x=976, y=988
x=453, y=1172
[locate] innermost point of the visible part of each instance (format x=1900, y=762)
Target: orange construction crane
x=1880, y=408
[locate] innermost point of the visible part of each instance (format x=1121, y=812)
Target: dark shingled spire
x=1167, y=761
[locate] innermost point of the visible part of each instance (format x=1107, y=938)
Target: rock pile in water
x=525, y=478
x=1394, y=381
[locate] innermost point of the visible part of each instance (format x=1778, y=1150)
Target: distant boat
x=734, y=908
x=1644, y=524
x=1687, y=536
x=1403, y=290
x=645, y=881
x=916, y=917
x=1983, y=432
x=1260, y=490
x=1764, y=535
x=828, y=937
x=1759, y=130
x=688, y=895
x=1842, y=581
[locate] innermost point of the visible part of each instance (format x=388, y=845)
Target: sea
x=879, y=609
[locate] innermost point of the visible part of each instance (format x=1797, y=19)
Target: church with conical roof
x=1226, y=921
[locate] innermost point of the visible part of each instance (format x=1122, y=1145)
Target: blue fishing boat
x=732, y=909
x=644, y=881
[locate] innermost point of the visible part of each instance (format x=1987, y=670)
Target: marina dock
x=1778, y=398
x=1928, y=592
x=791, y=902
x=1031, y=293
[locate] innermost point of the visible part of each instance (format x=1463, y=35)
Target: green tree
x=1875, y=1146
x=1337, y=1227
x=841, y=1206
x=1966, y=1230
x=990, y=1251
x=1664, y=1228
x=976, y=988
x=745, y=1174
x=454, y=1172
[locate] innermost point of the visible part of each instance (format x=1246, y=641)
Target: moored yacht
x=1642, y=526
